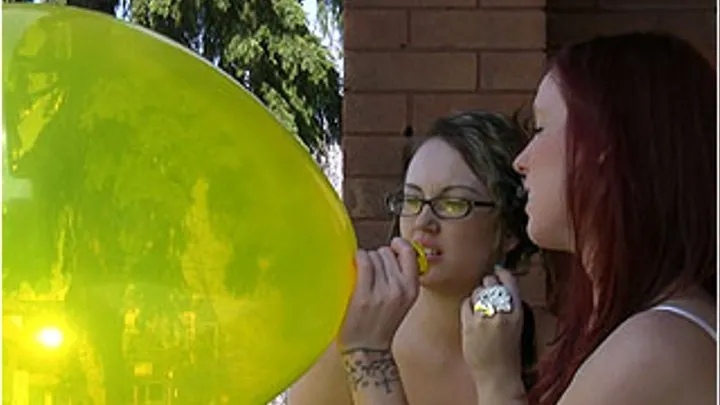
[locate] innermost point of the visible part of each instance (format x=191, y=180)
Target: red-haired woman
x=621, y=182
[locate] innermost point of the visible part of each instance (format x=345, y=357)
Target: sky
x=334, y=44
x=310, y=7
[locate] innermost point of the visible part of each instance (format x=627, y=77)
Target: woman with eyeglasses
x=462, y=203
x=622, y=185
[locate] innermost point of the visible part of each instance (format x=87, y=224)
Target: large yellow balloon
x=164, y=238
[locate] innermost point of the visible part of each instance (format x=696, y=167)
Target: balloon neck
x=421, y=257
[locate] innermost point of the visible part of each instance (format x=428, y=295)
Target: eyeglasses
x=443, y=207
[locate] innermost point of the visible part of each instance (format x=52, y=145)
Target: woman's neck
x=693, y=295
x=435, y=318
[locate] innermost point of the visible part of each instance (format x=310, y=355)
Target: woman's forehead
x=548, y=97
x=437, y=166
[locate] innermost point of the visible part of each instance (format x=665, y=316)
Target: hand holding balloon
x=386, y=288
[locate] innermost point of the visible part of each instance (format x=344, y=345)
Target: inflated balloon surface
x=164, y=238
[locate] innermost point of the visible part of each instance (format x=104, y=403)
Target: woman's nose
x=426, y=220
x=520, y=163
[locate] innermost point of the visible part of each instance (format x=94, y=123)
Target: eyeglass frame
x=429, y=202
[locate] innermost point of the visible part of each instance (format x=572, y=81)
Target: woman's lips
x=432, y=254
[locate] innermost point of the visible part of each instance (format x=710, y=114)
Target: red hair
x=641, y=188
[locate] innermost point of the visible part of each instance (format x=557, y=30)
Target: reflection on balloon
x=164, y=238
x=51, y=337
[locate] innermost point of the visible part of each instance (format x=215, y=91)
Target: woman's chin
x=436, y=277
x=429, y=276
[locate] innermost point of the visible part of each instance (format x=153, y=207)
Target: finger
x=389, y=260
x=490, y=280
x=365, y=272
x=509, y=281
x=406, y=255
x=392, y=269
x=381, y=278
x=409, y=267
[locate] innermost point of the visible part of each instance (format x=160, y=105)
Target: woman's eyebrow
x=461, y=187
x=445, y=189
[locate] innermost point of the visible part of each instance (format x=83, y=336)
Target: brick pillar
x=408, y=62
x=573, y=20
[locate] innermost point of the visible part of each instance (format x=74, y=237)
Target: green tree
x=266, y=45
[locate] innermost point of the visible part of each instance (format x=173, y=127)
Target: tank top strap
x=689, y=316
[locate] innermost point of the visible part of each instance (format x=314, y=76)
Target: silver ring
x=489, y=301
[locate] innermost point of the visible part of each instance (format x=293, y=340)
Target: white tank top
x=689, y=316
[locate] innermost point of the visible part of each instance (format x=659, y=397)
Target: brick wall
x=572, y=20
x=409, y=61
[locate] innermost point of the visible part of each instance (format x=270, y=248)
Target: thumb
x=507, y=279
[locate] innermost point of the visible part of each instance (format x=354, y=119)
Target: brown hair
x=488, y=143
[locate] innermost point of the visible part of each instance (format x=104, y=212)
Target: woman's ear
x=509, y=242
x=504, y=244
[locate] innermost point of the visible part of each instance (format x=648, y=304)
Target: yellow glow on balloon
x=50, y=337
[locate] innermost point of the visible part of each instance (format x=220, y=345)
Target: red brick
x=374, y=112
x=410, y=71
x=698, y=27
x=658, y=4
x=511, y=70
x=477, y=29
x=365, y=197
x=374, y=155
x=569, y=4
x=512, y=3
x=565, y=28
x=375, y=29
x=371, y=234
x=427, y=108
x=408, y=3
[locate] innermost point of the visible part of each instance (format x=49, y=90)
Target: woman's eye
x=412, y=202
x=452, y=206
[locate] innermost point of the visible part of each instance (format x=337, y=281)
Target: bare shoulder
x=653, y=358
x=324, y=384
